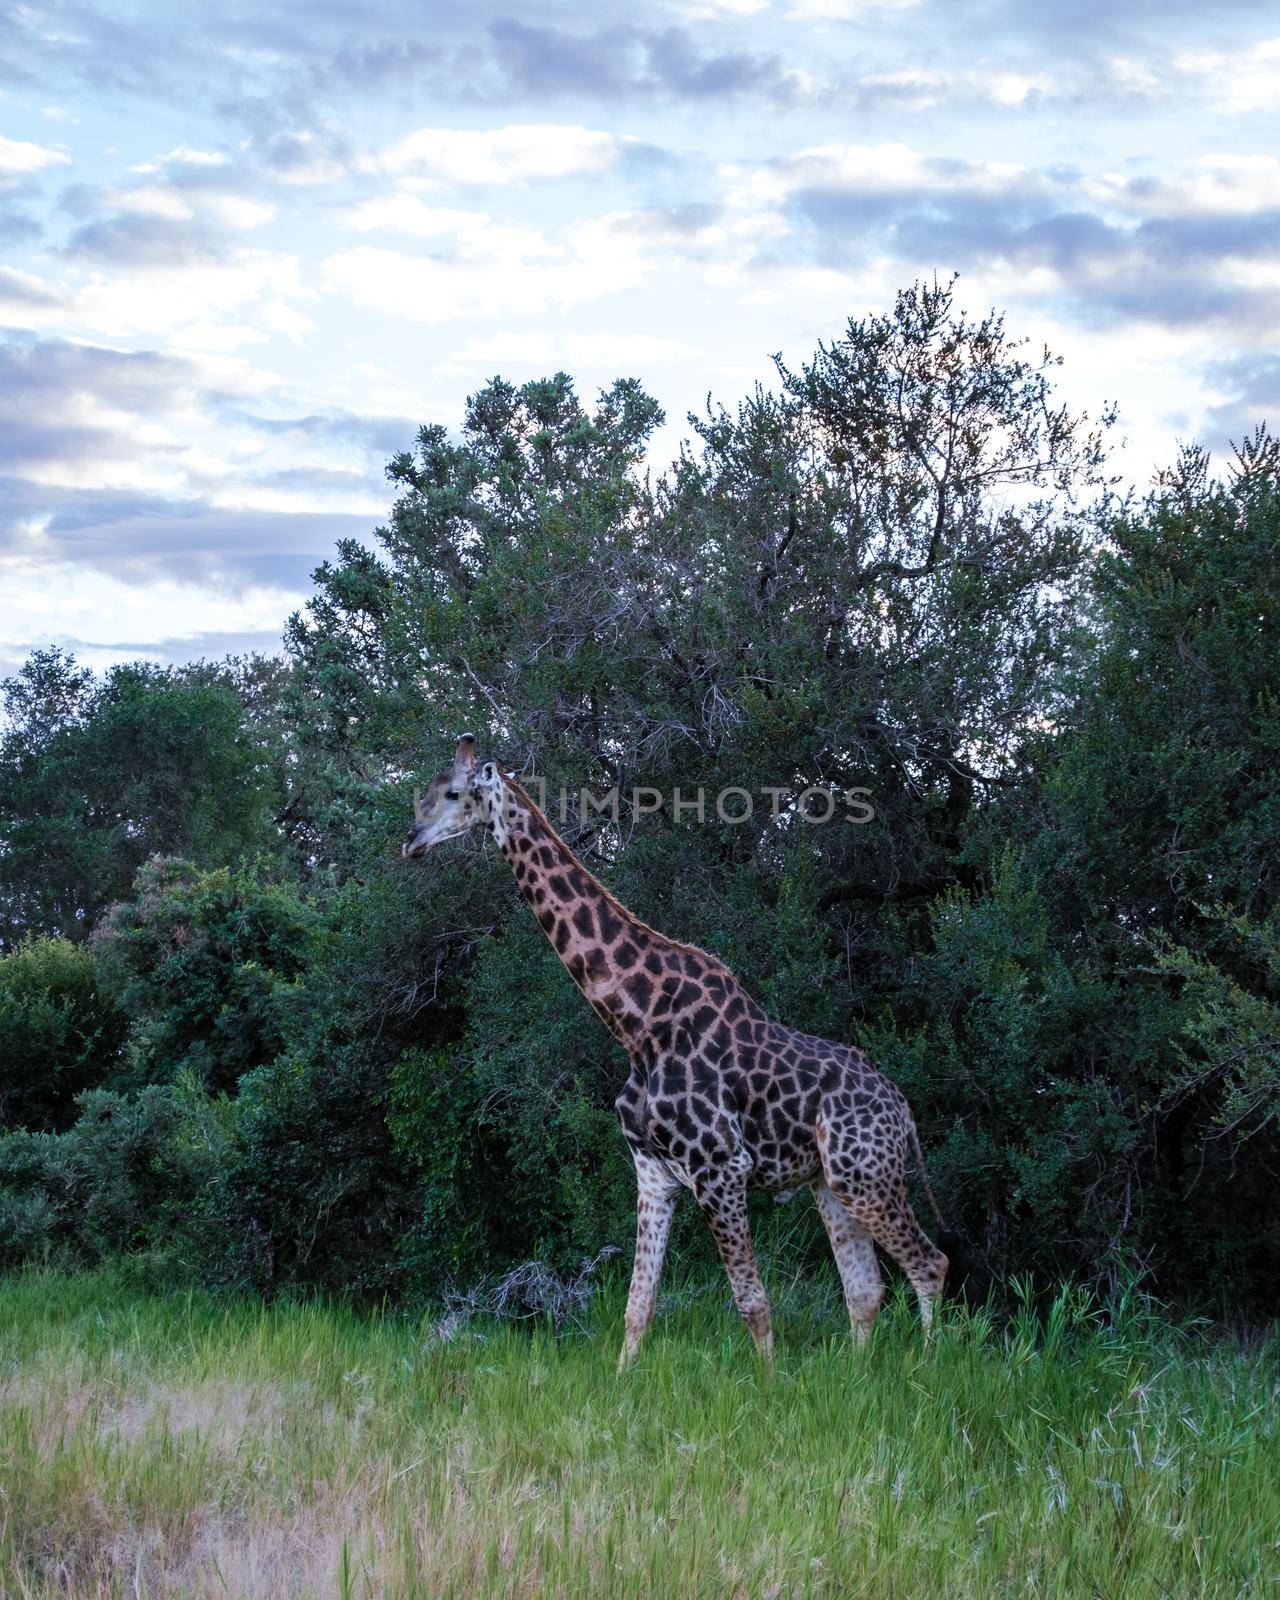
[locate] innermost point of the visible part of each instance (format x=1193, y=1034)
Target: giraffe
x=719, y=1097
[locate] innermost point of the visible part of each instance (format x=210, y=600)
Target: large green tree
x=97, y=774
x=1158, y=820
x=1089, y=1032
x=210, y=969
x=866, y=578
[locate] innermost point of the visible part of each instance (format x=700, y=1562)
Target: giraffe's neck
x=613, y=958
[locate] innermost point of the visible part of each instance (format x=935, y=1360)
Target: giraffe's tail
x=962, y=1278
x=924, y=1176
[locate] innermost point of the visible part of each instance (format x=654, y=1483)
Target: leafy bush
x=307, y=1192
x=59, y=1033
x=123, y=1177
x=1020, y=1079
x=209, y=967
x=1230, y=1042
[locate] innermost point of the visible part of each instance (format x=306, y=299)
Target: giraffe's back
x=723, y=1078
x=795, y=1089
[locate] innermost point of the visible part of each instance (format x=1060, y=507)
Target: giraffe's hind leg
x=897, y=1232
x=855, y=1257
x=870, y=1181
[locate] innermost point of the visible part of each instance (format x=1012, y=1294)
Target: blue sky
x=243, y=257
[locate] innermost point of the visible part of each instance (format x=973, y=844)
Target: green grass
x=184, y=1445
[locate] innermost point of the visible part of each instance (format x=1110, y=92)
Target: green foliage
x=209, y=968
x=1221, y=1098
x=120, y=1179
x=466, y=1215
x=1163, y=784
x=1158, y=801
x=512, y=1128
x=1231, y=1049
x=306, y=1192
x=95, y=776
x=59, y=1033
x=1021, y=1080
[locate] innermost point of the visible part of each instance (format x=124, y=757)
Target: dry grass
x=182, y=1446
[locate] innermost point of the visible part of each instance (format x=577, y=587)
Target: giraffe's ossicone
x=720, y=1098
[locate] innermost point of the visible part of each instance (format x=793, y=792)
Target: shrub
x=123, y=1177
x=209, y=968
x=59, y=1032
x=306, y=1192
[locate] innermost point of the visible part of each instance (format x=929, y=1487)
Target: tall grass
x=183, y=1445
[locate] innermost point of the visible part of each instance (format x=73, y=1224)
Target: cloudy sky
x=244, y=256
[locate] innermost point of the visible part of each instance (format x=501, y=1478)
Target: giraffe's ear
x=464, y=760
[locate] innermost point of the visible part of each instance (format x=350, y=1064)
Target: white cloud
x=1240, y=82
x=163, y=300
x=1220, y=185
x=845, y=10
x=220, y=338
x=406, y=213
x=486, y=270
x=17, y=158
x=1014, y=88
x=229, y=375
x=284, y=319
x=207, y=310
x=238, y=211
x=916, y=86
x=83, y=416
x=148, y=200
x=160, y=199
x=395, y=391
x=549, y=352
x=1211, y=186
x=182, y=155
x=340, y=496
x=1133, y=76
x=427, y=289
x=476, y=235
x=29, y=301
x=41, y=597
x=514, y=154
x=721, y=8
x=890, y=168
x=303, y=160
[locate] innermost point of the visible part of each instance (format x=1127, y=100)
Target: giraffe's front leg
x=722, y=1195
x=655, y=1204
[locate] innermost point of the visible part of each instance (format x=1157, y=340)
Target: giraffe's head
x=455, y=800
